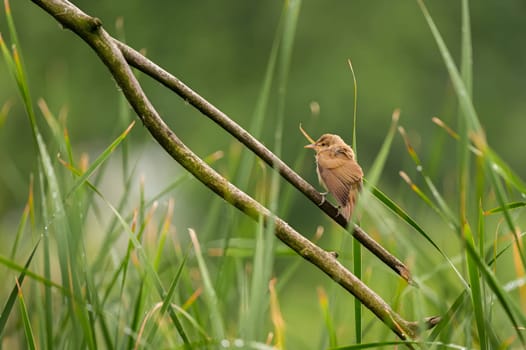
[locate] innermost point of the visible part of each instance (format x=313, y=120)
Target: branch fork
x=118, y=58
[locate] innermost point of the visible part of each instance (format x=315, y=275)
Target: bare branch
x=104, y=45
x=145, y=65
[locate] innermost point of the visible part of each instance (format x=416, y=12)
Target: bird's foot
x=323, y=199
x=335, y=255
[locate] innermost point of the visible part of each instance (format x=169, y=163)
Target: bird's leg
x=323, y=199
x=340, y=211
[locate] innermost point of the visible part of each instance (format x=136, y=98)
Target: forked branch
x=115, y=55
x=148, y=67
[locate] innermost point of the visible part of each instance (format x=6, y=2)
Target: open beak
x=312, y=145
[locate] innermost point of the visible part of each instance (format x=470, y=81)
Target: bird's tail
x=347, y=210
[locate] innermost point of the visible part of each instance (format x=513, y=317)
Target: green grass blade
x=372, y=179
x=48, y=296
x=357, y=269
x=468, y=111
x=466, y=104
x=6, y=310
x=30, y=337
x=52, y=122
x=512, y=310
x=150, y=271
x=246, y=163
x=509, y=206
x=14, y=62
x=379, y=162
x=4, y=111
x=8, y=58
x=389, y=345
x=447, y=318
x=411, y=222
x=501, y=199
x=476, y=293
x=136, y=319
x=67, y=243
x=100, y=159
x=212, y=301
x=265, y=241
x=420, y=193
x=327, y=317
x=466, y=67
x=163, y=234
x=500, y=167
x=355, y=107
x=28, y=211
x=10, y=264
x=11, y=25
x=463, y=147
x=442, y=209
x=167, y=299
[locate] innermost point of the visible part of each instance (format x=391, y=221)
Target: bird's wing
x=335, y=184
x=341, y=161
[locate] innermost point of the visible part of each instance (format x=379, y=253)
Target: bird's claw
x=323, y=195
x=335, y=255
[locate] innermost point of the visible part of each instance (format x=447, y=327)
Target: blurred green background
x=220, y=49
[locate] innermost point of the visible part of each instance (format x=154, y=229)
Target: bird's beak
x=312, y=145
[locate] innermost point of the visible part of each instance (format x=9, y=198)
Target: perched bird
x=338, y=171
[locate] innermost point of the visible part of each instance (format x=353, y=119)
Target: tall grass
x=86, y=270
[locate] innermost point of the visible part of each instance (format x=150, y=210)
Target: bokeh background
x=221, y=48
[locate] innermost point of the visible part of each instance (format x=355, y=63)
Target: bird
x=338, y=171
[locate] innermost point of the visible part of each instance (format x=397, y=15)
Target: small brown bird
x=338, y=171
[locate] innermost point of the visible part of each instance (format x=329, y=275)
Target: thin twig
x=90, y=29
x=148, y=67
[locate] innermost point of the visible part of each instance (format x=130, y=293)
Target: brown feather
x=338, y=171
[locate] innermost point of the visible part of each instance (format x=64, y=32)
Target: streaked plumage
x=338, y=171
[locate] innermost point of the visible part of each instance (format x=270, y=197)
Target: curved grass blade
x=100, y=159
x=276, y=316
x=30, y=337
x=372, y=179
x=460, y=302
x=168, y=297
x=218, y=330
x=356, y=247
x=264, y=256
x=473, y=123
x=150, y=271
x=421, y=194
x=509, y=206
x=29, y=212
x=46, y=282
x=501, y=168
x=6, y=310
x=476, y=292
x=4, y=111
x=323, y=301
x=445, y=212
x=512, y=310
x=405, y=217
x=501, y=199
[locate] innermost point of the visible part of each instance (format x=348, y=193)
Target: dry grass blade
x=307, y=136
